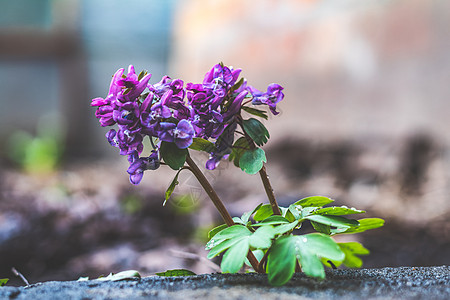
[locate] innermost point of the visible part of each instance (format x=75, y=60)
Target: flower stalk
x=269, y=191
x=218, y=204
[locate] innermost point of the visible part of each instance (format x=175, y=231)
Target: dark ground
x=385, y=283
x=89, y=221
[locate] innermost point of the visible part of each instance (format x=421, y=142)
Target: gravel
x=381, y=283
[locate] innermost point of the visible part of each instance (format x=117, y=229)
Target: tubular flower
x=173, y=112
x=273, y=95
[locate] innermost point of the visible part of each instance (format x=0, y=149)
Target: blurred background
x=365, y=121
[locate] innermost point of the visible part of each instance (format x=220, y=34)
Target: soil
x=384, y=283
x=86, y=219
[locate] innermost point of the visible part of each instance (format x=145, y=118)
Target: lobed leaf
x=263, y=212
x=173, y=156
x=238, y=220
x=338, y=211
x=231, y=232
x=215, y=230
x=239, y=147
x=273, y=220
x=246, y=216
x=224, y=245
x=252, y=161
x=364, y=224
x=256, y=130
x=262, y=237
x=283, y=228
x=234, y=258
x=314, y=201
x=322, y=228
x=281, y=260
x=352, y=250
x=307, y=211
x=335, y=221
x=308, y=249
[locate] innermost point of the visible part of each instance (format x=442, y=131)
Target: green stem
x=218, y=204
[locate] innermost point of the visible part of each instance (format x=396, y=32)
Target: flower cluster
x=170, y=111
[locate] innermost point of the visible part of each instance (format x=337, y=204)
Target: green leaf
x=314, y=201
x=3, y=281
x=292, y=213
x=311, y=247
x=171, y=187
x=176, y=272
x=200, y=144
x=321, y=245
x=263, y=212
x=325, y=229
x=224, y=245
x=307, y=211
x=338, y=211
x=256, y=112
x=335, y=221
x=234, y=258
x=351, y=250
x=130, y=274
x=216, y=230
x=172, y=155
x=283, y=228
x=252, y=161
x=246, y=216
x=311, y=263
x=273, y=220
x=228, y=233
x=239, y=147
x=262, y=237
x=308, y=249
x=238, y=220
x=256, y=130
x=281, y=260
x=364, y=224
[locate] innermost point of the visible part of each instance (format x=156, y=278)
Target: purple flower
x=235, y=106
x=105, y=115
x=273, y=95
x=220, y=79
x=181, y=134
x=140, y=164
x=128, y=114
x=166, y=83
x=208, y=125
x=130, y=81
x=125, y=140
x=223, y=147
